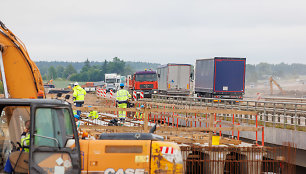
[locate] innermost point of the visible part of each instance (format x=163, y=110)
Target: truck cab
x=112, y=82
x=144, y=81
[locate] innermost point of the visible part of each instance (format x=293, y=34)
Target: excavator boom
x=20, y=76
x=271, y=86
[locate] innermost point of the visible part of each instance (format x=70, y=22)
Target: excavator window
x=48, y=130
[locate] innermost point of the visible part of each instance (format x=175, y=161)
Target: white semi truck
x=112, y=81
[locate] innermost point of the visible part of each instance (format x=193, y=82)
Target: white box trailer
x=174, y=79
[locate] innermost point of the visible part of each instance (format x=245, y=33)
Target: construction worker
x=25, y=137
x=93, y=115
x=122, y=101
x=139, y=115
x=77, y=122
x=78, y=96
x=24, y=142
x=76, y=118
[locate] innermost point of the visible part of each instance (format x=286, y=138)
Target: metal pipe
x=6, y=94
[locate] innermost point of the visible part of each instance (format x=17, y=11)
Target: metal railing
x=287, y=115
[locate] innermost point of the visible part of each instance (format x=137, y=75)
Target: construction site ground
x=198, y=132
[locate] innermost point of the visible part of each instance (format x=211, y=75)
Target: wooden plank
x=196, y=111
x=229, y=141
x=146, y=120
x=202, y=111
x=179, y=129
x=211, y=121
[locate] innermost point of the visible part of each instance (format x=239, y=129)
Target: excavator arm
x=20, y=75
x=271, y=86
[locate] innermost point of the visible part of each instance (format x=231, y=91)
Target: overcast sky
x=161, y=31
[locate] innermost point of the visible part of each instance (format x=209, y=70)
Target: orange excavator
x=20, y=75
x=271, y=86
x=54, y=145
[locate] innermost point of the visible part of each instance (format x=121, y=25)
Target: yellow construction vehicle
x=54, y=142
x=271, y=86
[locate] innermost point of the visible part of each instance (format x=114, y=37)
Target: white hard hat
x=76, y=83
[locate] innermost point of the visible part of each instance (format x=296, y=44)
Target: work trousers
x=122, y=114
x=79, y=104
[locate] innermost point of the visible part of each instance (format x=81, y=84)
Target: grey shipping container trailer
x=174, y=79
x=220, y=77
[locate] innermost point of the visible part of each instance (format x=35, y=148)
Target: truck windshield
x=145, y=77
x=110, y=80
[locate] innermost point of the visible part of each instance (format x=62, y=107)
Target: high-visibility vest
x=25, y=141
x=93, y=114
x=138, y=115
x=79, y=93
x=122, y=95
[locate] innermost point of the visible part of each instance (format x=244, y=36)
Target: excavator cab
x=54, y=145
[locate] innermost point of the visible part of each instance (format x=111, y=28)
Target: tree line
x=95, y=71
x=263, y=71
x=88, y=72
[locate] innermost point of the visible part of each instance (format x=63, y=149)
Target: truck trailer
x=220, y=77
x=174, y=79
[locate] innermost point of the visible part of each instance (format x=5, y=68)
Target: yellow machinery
x=54, y=144
x=271, y=86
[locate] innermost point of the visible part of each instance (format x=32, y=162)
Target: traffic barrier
x=104, y=93
x=111, y=94
x=141, y=95
x=99, y=92
x=135, y=95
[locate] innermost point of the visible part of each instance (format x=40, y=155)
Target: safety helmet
x=76, y=83
x=142, y=106
x=121, y=84
x=77, y=116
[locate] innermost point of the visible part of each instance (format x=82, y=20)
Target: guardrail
x=286, y=115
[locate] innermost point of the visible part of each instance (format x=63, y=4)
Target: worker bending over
x=78, y=96
x=139, y=115
x=122, y=101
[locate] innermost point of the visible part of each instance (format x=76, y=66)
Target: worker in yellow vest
x=25, y=137
x=78, y=96
x=139, y=115
x=93, y=115
x=122, y=101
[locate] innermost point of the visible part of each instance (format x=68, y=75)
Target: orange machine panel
x=119, y=156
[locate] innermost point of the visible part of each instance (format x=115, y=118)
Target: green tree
x=117, y=66
x=264, y=70
x=104, y=70
x=52, y=72
x=69, y=70
x=86, y=66
x=60, y=71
